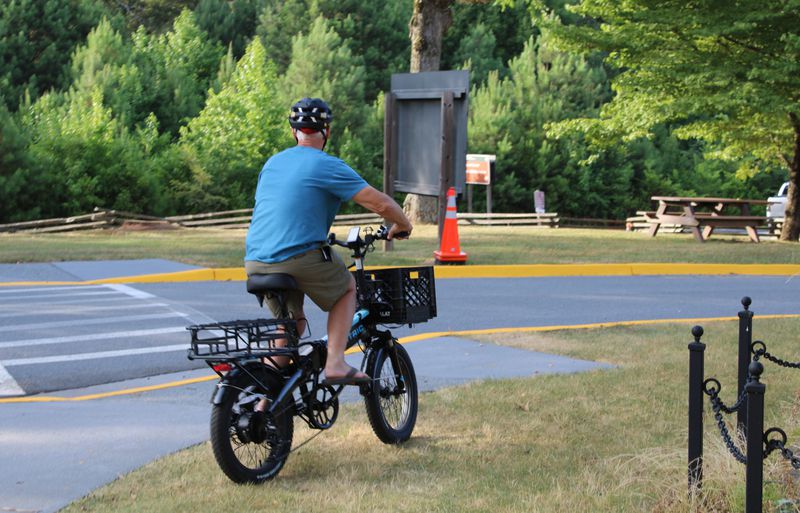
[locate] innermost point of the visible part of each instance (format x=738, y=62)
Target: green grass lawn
x=484, y=245
x=602, y=441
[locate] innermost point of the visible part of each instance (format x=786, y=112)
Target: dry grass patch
x=602, y=441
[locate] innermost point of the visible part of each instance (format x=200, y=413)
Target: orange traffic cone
x=450, y=250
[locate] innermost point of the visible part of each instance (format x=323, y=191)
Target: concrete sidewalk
x=57, y=452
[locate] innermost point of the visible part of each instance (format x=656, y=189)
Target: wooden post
x=389, y=149
x=446, y=179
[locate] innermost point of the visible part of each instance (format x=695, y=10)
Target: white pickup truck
x=777, y=204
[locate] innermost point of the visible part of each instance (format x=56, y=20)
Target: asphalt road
x=63, y=337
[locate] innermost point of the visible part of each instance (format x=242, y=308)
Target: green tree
x=168, y=74
x=227, y=144
x=477, y=53
x=323, y=66
x=35, y=35
x=20, y=190
x=178, y=68
x=278, y=23
x=376, y=31
x=489, y=36
x=726, y=74
x=508, y=116
x=151, y=15
x=85, y=156
x=231, y=23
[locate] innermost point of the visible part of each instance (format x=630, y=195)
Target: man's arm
x=374, y=200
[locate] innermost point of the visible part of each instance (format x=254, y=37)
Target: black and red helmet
x=311, y=113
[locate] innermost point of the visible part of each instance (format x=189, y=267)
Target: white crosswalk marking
x=92, y=356
x=62, y=294
x=42, y=310
x=94, y=336
x=44, y=327
x=86, y=322
x=8, y=386
x=30, y=290
x=130, y=291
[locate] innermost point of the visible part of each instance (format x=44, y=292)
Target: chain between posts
x=759, y=349
x=718, y=406
x=712, y=387
x=780, y=445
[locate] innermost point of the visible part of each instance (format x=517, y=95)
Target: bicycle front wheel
x=391, y=401
x=250, y=446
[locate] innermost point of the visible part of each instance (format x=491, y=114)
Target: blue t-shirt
x=298, y=195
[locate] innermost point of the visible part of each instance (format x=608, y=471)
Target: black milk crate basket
x=236, y=339
x=401, y=295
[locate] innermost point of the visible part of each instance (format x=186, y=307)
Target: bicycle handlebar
x=357, y=243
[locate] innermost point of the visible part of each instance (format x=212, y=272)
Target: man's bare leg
x=340, y=319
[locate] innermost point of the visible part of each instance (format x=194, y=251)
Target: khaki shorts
x=322, y=281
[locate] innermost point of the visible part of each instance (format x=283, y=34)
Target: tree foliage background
x=172, y=106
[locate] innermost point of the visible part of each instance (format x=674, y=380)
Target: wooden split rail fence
x=545, y=219
x=103, y=219
x=237, y=219
x=100, y=218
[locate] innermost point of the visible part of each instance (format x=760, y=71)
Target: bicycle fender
x=222, y=386
x=219, y=394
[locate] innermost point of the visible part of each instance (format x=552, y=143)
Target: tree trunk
x=429, y=23
x=427, y=27
x=791, y=218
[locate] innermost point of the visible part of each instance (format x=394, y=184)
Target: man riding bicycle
x=298, y=194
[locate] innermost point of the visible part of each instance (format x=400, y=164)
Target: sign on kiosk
x=479, y=169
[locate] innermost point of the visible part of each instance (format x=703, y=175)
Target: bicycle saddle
x=261, y=284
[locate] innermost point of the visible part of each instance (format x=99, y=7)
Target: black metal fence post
x=755, y=434
x=745, y=339
x=696, y=375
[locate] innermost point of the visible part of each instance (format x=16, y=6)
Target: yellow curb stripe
x=524, y=329
x=632, y=269
x=102, y=395
x=474, y=271
x=403, y=340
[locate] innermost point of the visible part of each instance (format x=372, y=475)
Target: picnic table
x=703, y=215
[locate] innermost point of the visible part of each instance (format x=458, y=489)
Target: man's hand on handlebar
x=399, y=232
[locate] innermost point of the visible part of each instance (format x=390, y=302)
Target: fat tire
x=392, y=417
x=225, y=442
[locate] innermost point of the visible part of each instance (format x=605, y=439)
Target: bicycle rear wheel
x=392, y=399
x=250, y=446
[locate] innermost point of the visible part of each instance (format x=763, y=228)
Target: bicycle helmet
x=311, y=113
